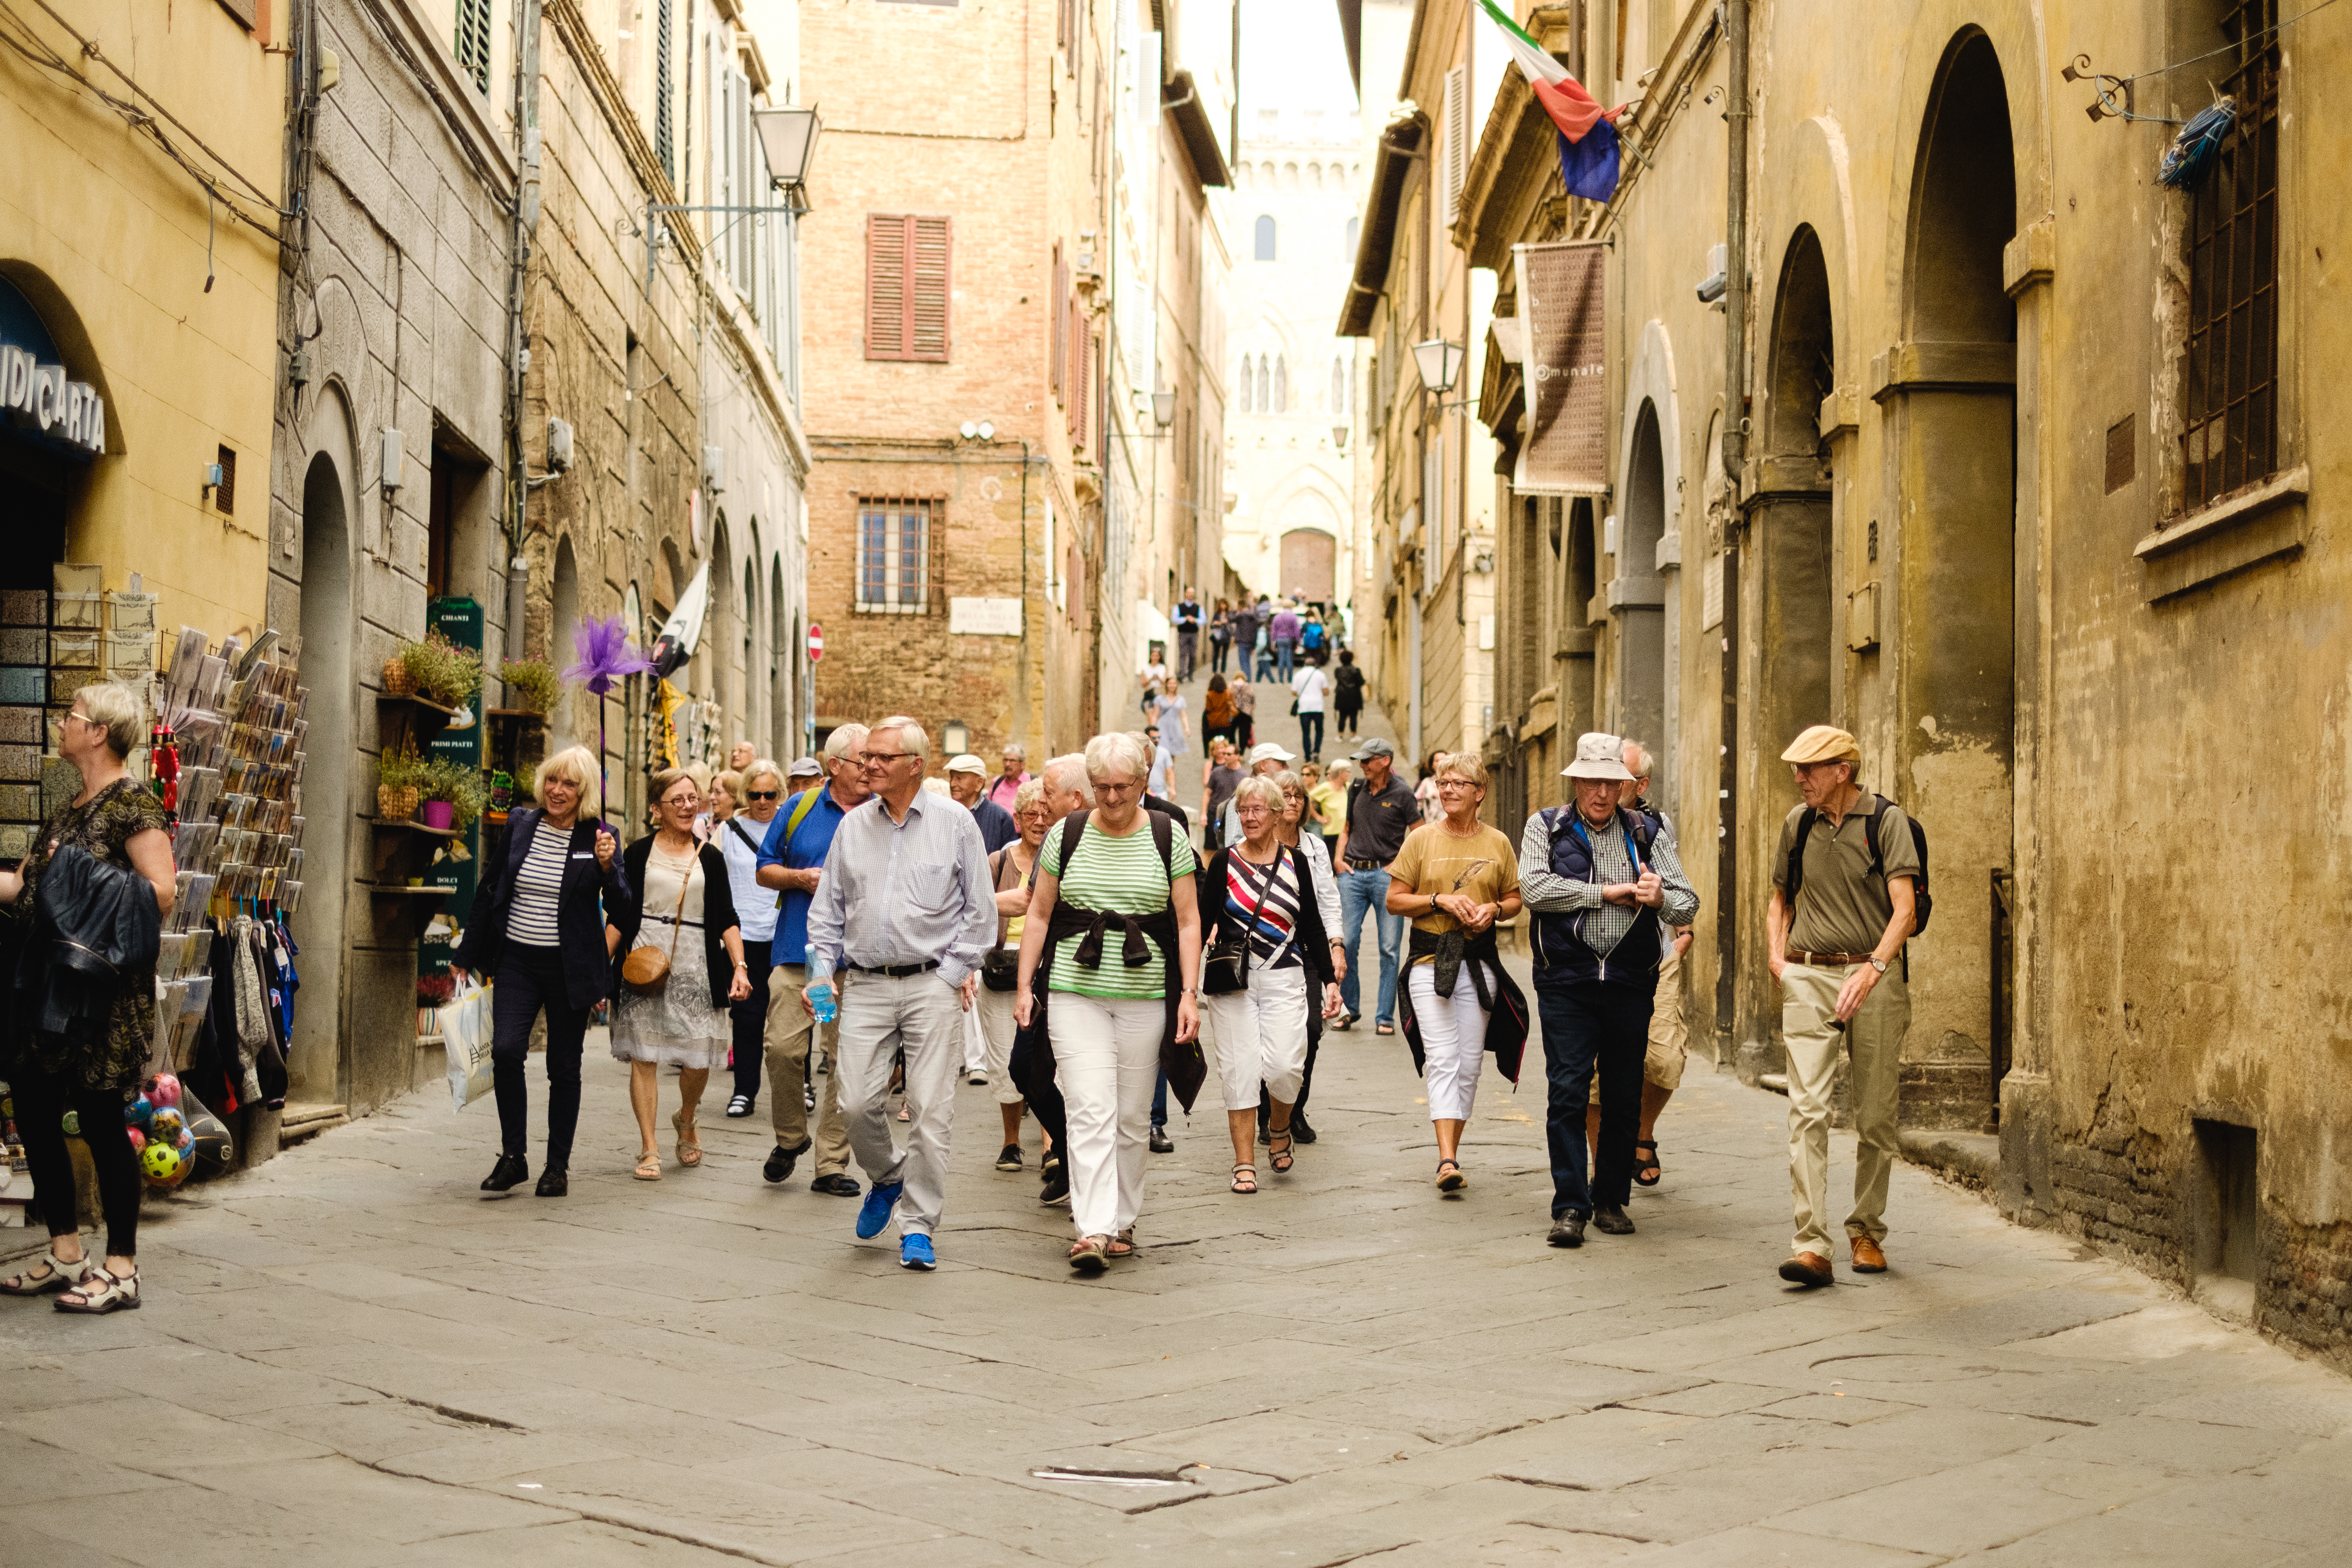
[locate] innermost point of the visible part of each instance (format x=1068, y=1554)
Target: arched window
x=1246, y=384
x=1339, y=384
x=1264, y=388
x=1281, y=384
x=1265, y=250
x=1354, y=227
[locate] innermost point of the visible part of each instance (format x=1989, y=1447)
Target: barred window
x=474, y=41
x=893, y=557
x=2231, y=399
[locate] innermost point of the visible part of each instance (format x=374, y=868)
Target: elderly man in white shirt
x=905, y=904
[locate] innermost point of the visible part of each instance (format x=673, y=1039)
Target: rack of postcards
x=231, y=729
x=53, y=642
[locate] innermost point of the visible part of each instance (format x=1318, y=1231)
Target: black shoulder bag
x=1000, y=970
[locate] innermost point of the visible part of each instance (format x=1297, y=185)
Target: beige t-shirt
x=1842, y=906
x=1433, y=861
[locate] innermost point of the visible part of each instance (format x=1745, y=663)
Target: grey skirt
x=678, y=1025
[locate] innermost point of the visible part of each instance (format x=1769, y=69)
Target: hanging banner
x=1563, y=299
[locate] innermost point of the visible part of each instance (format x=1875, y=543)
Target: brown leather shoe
x=1867, y=1258
x=1808, y=1268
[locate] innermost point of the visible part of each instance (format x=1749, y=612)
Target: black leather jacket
x=96, y=930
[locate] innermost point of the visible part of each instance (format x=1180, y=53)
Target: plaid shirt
x=1601, y=925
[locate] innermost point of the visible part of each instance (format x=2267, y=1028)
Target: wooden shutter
x=886, y=287
x=1082, y=394
x=1060, y=328
x=930, y=245
x=1453, y=155
x=1073, y=400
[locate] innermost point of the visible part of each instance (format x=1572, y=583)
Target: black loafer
x=1568, y=1230
x=838, y=1185
x=511, y=1171
x=1611, y=1220
x=1299, y=1131
x=781, y=1159
x=554, y=1182
x=1161, y=1143
x=1056, y=1189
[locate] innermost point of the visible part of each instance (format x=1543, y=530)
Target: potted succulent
x=454, y=793
x=399, y=778
x=441, y=672
x=532, y=684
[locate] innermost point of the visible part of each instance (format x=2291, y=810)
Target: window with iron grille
x=474, y=41
x=2230, y=400
x=893, y=557
x=665, y=145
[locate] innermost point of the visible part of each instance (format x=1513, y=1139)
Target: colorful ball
x=138, y=1110
x=70, y=1122
x=138, y=1140
x=166, y=1124
x=165, y=1091
x=160, y=1162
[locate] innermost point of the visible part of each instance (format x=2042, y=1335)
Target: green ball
x=71, y=1122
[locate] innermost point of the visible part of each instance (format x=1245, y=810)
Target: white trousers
x=997, y=1027
x=1453, y=1041
x=879, y=1015
x=1106, y=1061
x=1260, y=1036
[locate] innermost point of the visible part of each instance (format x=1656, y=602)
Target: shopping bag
x=465, y=1035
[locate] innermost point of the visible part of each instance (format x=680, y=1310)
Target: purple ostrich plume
x=604, y=655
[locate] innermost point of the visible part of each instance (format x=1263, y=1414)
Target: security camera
x=1714, y=288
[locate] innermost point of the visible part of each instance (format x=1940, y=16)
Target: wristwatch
x=1874, y=964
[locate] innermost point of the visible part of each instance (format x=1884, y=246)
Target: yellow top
x=1435, y=861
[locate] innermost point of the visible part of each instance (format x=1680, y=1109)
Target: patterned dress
x=101, y=826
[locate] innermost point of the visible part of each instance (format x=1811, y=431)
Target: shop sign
x=38, y=398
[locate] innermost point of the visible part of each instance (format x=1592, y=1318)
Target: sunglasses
x=761, y=794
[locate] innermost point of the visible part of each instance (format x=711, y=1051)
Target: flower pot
x=395, y=805
x=397, y=682
x=437, y=815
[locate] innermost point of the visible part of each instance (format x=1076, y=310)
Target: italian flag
x=1587, y=133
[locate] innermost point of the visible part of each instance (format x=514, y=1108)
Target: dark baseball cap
x=1375, y=747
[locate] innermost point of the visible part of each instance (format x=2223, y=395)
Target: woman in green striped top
x=1113, y=922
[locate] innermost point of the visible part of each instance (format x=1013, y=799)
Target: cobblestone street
x=349, y=1355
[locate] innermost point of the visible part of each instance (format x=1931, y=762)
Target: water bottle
x=820, y=1000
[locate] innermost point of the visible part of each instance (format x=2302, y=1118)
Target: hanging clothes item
x=252, y=1018
x=270, y=1050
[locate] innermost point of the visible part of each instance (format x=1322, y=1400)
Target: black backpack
x=1923, y=903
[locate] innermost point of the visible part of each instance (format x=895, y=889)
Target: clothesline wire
x=2274, y=29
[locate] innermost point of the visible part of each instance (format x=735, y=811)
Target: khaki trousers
x=1669, y=1043
x=789, y=1033
x=1873, y=1041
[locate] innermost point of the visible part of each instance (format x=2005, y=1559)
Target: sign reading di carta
x=40, y=399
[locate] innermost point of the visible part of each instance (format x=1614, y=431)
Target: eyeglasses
x=875, y=759
x=672, y=802
x=1455, y=783
x=759, y=795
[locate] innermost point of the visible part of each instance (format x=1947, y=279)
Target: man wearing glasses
x=792, y=858
x=904, y=904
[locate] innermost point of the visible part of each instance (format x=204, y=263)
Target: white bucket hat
x=1599, y=757
x=1268, y=751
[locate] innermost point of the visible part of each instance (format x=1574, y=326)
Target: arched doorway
x=317, y=1067
x=1953, y=409
x=1638, y=706
x=563, y=621
x=1310, y=559
x=1580, y=556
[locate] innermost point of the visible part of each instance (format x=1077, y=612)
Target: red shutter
x=886, y=287
x=1081, y=401
x=928, y=255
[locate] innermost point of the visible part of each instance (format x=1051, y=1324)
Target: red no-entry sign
x=815, y=642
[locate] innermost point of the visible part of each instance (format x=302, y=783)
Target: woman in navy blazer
x=537, y=925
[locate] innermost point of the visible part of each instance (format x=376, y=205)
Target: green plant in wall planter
x=531, y=684
x=453, y=793
x=443, y=672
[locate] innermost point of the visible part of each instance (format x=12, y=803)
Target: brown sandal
x=690, y=1141
x=1239, y=1179
x=1091, y=1254
x=648, y=1166
x=1120, y=1246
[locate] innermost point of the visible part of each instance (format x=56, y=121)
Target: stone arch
x=715, y=648
x=562, y=622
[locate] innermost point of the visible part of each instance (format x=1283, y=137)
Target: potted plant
x=532, y=684
x=435, y=989
x=453, y=793
x=399, y=775
x=440, y=670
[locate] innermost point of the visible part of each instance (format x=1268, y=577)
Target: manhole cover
x=1896, y=1368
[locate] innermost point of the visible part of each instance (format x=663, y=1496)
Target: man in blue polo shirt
x=790, y=861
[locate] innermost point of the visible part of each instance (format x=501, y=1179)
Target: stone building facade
x=2010, y=461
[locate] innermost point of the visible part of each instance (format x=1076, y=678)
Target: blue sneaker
x=874, y=1213
x=915, y=1252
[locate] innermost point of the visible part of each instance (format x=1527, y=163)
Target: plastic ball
x=70, y=1122
x=165, y=1089
x=138, y=1140
x=160, y=1162
x=166, y=1124
x=138, y=1110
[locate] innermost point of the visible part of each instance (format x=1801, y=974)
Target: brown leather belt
x=1830, y=960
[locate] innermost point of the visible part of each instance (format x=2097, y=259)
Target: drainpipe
x=526, y=223
x=1727, y=902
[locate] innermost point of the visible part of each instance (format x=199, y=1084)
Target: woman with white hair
x=1295, y=829
x=1264, y=910
x=1112, y=951
x=1009, y=870
x=537, y=925
x=93, y=1067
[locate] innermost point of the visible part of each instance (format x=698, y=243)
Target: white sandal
x=61, y=1276
x=101, y=1291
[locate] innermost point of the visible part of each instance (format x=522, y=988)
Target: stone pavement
x=350, y=1356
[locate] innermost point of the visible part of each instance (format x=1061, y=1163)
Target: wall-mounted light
x=788, y=136
x=1438, y=363
x=392, y=466
x=955, y=737
x=1340, y=437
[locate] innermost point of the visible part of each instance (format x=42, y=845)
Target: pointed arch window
x=1263, y=247
x=1281, y=384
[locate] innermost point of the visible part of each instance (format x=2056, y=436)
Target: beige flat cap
x=1823, y=743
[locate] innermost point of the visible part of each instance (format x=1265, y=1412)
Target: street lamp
x=956, y=736
x=788, y=136
x=1340, y=437
x=1163, y=409
x=1438, y=363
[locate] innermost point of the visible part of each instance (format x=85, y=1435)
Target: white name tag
x=584, y=854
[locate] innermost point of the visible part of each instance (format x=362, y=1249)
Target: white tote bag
x=465, y=1035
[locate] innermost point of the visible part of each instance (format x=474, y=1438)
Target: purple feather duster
x=604, y=655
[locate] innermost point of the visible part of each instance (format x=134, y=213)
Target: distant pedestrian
x=726, y=795
x=741, y=755
x=538, y=926
x=1381, y=811
x=678, y=901
x=1169, y=714
x=1006, y=786
x=1605, y=885
x=902, y=913
x=1244, y=713
x=1455, y=878
x=1217, y=711
x=1669, y=1039
x=1219, y=779
x=1314, y=640
x=1221, y=637
x=1426, y=792
x=100, y=880
x=1114, y=1021
x=1266, y=648
x=1244, y=621
x=739, y=842
x=1009, y=870
x=799, y=1048
x=1283, y=633
x=1844, y=880
x=1347, y=694
x=967, y=782
x=1187, y=620
x=806, y=774
x=1262, y=899
x=1309, y=687
x=1328, y=789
